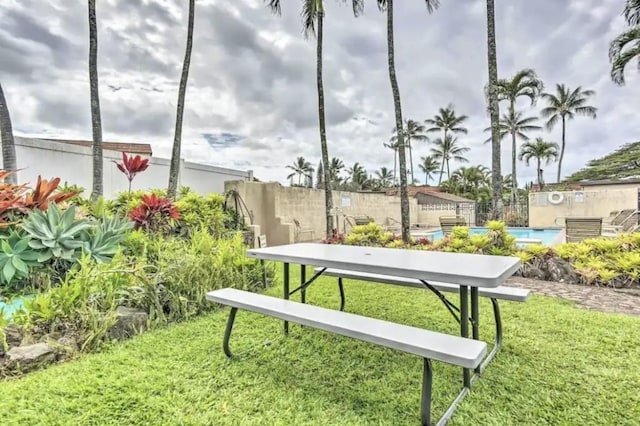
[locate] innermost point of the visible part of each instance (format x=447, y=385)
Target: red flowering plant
x=154, y=214
x=131, y=166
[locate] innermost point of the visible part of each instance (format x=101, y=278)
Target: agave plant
x=16, y=258
x=54, y=234
x=108, y=235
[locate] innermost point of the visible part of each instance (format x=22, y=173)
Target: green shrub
x=370, y=234
x=203, y=212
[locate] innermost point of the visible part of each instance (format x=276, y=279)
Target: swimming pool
x=12, y=306
x=548, y=237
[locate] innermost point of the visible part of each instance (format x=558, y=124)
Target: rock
x=50, y=337
x=559, y=270
x=130, y=321
x=12, y=335
x=533, y=272
x=30, y=357
x=69, y=343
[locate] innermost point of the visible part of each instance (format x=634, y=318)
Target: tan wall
x=594, y=203
x=274, y=208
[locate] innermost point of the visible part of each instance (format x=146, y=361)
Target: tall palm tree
x=387, y=5
x=358, y=176
x=516, y=125
x=394, y=146
x=313, y=25
x=446, y=150
x=524, y=83
x=300, y=167
x=174, y=169
x=335, y=168
x=384, y=177
x=564, y=105
x=412, y=131
x=446, y=121
x=494, y=112
x=96, y=120
x=541, y=151
x=9, y=161
x=626, y=47
x=429, y=166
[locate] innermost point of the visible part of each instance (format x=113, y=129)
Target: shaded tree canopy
x=622, y=163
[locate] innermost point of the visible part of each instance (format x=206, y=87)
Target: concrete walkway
x=617, y=300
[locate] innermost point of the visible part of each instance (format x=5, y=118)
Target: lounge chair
x=625, y=221
x=448, y=222
x=581, y=228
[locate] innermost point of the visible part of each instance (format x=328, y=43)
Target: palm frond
x=309, y=15
x=274, y=5
x=632, y=12
x=587, y=111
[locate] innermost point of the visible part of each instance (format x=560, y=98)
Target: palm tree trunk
x=404, y=195
x=426, y=178
x=496, y=167
x=411, y=158
x=514, y=181
x=328, y=199
x=174, y=169
x=395, y=161
x=448, y=171
x=561, y=150
x=539, y=175
x=96, y=120
x=9, y=161
x=441, y=172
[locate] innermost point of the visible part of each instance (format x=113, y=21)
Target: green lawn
x=559, y=365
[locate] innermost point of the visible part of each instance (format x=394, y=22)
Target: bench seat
x=501, y=292
x=417, y=341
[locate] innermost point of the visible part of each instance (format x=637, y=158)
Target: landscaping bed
x=89, y=273
x=606, y=261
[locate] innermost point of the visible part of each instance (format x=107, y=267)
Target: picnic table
x=470, y=272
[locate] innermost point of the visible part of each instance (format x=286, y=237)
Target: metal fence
x=515, y=215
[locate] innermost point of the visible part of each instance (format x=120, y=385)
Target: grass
x=559, y=365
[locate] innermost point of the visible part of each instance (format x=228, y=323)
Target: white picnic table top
x=473, y=270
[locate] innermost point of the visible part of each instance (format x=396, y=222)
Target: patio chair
x=623, y=222
x=612, y=216
x=448, y=222
x=581, y=228
x=300, y=230
x=362, y=220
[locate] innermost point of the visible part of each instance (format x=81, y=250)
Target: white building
x=73, y=163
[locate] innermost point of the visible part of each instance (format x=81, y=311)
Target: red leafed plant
x=155, y=214
x=43, y=194
x=131, y=166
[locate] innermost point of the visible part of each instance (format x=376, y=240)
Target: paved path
x=625, y=301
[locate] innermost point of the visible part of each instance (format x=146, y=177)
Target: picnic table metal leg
x=303, y=279
x=464, y=327
x=425, y=401
x=498, y=342
x=227, y=332
x=286, y=293
x=341, y=288
x=475, y=318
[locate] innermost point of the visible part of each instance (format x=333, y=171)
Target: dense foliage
x=622, y=163
x=79, y=261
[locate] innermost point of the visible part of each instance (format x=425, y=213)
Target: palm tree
x=335, y=168
x=9, y=161
x=358, y=176
x=384, y=177
x=428, y=165
x=174, y=169
x=96, y=120
x=412, y=131
x=563, y=106
x=300, y=167
x=523, y=83
x=394, y=146
x=446, y=150
x=470, y=180
x=626, y=47
x=387, y=5
x=494, y=112
x=541, y=151
x=313, y=18
x=516, y=125
x=445, y=121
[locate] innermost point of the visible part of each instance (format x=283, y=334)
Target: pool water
x=547, y=236
x=12, y=306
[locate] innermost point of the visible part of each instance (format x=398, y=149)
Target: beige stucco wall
x=274, y=208
x=592, y=203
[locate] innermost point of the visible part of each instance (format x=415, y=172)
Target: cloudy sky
x=251, y=100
